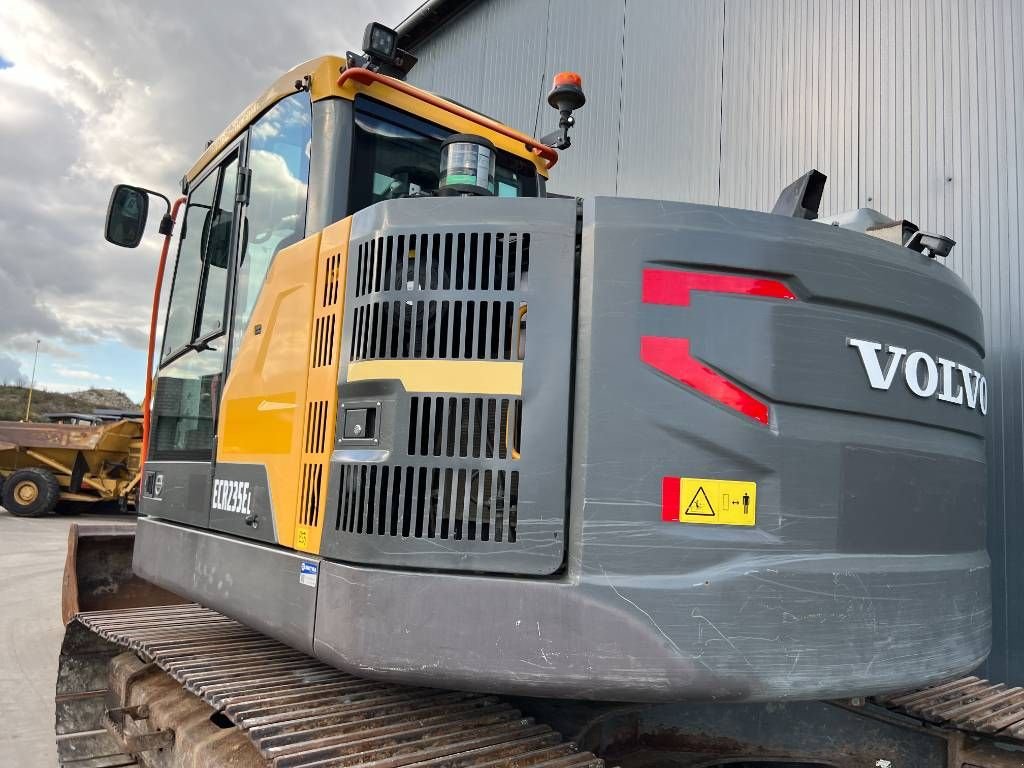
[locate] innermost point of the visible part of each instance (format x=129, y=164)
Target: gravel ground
x=31, y=564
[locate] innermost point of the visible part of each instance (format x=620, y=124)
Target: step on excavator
x=724, y=503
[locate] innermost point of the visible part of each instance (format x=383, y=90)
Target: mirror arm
x=166, y=225
x=167, y=222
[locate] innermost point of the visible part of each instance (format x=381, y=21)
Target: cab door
x=194, y=352
x=257, y=467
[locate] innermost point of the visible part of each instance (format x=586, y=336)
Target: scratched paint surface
x=793, y=606
x=865, y=570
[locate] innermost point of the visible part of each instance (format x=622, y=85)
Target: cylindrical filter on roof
x=467, y=165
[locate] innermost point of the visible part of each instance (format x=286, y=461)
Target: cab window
x=398, y=155
x=199, y=289
x=188, y=270
x=220, y=226
x=188, y=384
x=275, y=216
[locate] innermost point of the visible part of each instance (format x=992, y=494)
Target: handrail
x=154, y=313
x=367, y=77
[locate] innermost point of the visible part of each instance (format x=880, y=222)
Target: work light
x=380, y=42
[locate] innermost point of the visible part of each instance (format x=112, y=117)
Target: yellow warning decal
x=717, y=502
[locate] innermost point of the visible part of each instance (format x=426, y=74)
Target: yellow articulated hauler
x=420, y=434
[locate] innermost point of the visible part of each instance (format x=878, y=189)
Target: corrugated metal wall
x=790, y=100
x=913, y=107
x=942, y=90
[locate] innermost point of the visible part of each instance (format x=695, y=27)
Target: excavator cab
x=327, y=140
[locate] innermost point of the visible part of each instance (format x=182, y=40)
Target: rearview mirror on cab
x=126, y=216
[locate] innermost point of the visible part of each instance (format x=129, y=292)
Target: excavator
x=445, y=470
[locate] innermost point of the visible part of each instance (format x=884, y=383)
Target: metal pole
x=32, y=384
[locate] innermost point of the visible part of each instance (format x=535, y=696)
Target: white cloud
x=100, y=93
x=10, y=369
x=266, y=130
x=79, y=373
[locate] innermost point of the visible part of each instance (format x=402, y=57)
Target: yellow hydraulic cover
x=320, y=413
x=280, y=399
x=261, y=418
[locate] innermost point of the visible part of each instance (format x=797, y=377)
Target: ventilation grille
x=316, y=426
x=314, y=443
x=472, y=261
x=429, y=502
x=332, y=280
x=453, y=330
x=410, y=302
x=440, y=483
x=323, y=341
x=467, y=427
x=312, y=476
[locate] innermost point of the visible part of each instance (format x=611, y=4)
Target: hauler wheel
x=30, y=492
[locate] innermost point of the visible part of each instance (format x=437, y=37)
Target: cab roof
x=321, y=76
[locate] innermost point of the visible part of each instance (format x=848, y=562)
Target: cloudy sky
x=99, y=92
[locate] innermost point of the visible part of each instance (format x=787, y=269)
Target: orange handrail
x=146, y=416
x=366, y=77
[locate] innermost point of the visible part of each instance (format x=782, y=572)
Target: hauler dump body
x=43, y=466
x=417, y=420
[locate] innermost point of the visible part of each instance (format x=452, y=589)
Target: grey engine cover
x=866, y=569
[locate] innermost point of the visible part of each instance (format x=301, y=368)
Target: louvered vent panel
x=312, y=479
x=332, y=280
x=319, y=410
x=473, y=261
x=467, y=427
x=324, y=329
x=429, y=502
x=434, y=359
x=311, y=489
x=400, y=273
x=452, y=330
x=316, y=426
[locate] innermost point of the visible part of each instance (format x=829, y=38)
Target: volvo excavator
x=443, y=470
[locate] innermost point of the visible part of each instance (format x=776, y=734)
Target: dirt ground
x=31, y=564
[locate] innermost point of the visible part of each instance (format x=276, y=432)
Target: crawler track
x=970, y=704
x=296, y=711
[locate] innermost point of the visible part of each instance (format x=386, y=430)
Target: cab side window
x=199, y=290
x=276, y=214
x=219, y=225
x=188, y=384
x=189, y=268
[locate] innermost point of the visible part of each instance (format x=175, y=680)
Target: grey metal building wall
x=914, y=107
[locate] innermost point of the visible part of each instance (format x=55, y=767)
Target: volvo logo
x=924, y=375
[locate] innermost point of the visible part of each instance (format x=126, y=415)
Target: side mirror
x=126, y=216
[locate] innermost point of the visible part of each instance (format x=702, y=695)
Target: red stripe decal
x=672, y=357
x=673, y=286
x=670, y=499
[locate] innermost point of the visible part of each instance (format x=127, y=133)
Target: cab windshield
x=398, y=155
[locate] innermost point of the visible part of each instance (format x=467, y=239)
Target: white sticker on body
x=308, y=573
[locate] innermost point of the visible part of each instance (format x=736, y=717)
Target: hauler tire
x=30, y=492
